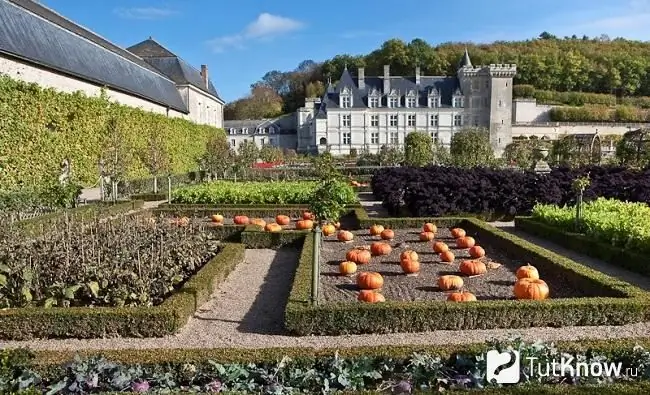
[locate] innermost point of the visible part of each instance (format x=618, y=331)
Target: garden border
x=630, y=306
x=43, y=222
x=583, y=244
x=87, y=322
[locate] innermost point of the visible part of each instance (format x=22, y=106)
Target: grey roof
x=446, y=86
x=254, y=124
x=35, y=34
x=171, y=65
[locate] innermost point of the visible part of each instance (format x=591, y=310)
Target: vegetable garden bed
x=618, y=302
x=129, y=277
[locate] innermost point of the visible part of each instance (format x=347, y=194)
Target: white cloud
x=265, y=27
x=144, y=13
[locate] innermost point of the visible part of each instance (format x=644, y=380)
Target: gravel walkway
x=247, y=312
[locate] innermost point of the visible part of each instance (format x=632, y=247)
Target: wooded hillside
x=599, y=65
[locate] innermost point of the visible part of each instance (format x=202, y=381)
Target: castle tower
x=488, y=99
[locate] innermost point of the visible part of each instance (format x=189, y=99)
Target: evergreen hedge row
x=597, y=113
x=40, y=127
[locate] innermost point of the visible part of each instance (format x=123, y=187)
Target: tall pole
x=169, y=189
x=315, y=273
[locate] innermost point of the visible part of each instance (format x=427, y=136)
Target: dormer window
x=458, y=101
x=411, y=100
x=244, y=130
x=434, y=98
x=373, y=102
x=232, y=131
x=393, y=99
x=346, y=98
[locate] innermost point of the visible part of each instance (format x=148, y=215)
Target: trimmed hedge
x=254, y=236
x=49, y=125
x=437, y=191
x=578, y=242
x=157, y=321
x=230, y=210
x=622, y=302
x=567, y=98
x=598, y=113
x=44, y=222
x=149, y=197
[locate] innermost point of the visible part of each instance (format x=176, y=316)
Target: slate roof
x=446, y=86
x=36, y=34
x=253, y=124
x=171, y=65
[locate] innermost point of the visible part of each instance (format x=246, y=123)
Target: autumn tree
x=418, y=149
x=471, y=147
x=269, y=153
x=263, y=102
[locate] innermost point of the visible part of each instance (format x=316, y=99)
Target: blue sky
x=241, y=40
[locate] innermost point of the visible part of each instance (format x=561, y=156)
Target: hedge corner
x=86, y=323
x=614, y=302
x=254, y=236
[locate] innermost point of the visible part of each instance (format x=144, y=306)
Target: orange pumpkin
x=465, y=242
x=258, y=222
x=273, y=227
x=476, y=252
x=458, y=232
x=347, y=268
x=387, y=234
x=370, y=280
x=429, y=227
x=529, y=288
x=282, y=220
x=217, y=218
x=527, y=271
x=380, y=248
x=447, y=256
x=308, y=215
x=461, y=296
x=409, y=255
x=370, y=296
x=329, y=230
x=427, y=236
x=357, y=255
x=241, y=220
x=472, y=268
x=410, y=266
x=304, y=224
x=440, y=247
x=376, y=230
x=449, y=282
x=345, y=236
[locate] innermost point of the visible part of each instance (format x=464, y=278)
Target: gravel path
x=247, y=312
x=497, y=283
x=373, y=207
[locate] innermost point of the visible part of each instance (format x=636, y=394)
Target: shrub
x=127, y=262
x=280, y=192
x=599, y=113
x=418, y=149
x=471, y=148
x=50, y=125
x=436, y=191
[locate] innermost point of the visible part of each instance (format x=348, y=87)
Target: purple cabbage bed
x=436, y=191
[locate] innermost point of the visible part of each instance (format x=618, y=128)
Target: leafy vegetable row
x=621, y=224
x=281, y=192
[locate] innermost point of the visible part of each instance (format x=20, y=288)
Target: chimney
x=386, y=79
x=204, y=74
x=417, y=75
x=361, y=78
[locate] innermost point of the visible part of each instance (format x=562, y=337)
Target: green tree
x=418, y=149
x=116, y=152
x=290, y=155
x=269, y=153
x=155, y=156
x=441, y=154
x=218, y=157
x=247, y=155
x=523, y=153
x=332, y=193
x=471, y=148
x=390, y=155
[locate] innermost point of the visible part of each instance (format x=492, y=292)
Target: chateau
x=365, y=112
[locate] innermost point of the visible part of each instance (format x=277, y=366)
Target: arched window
x=323, y=141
